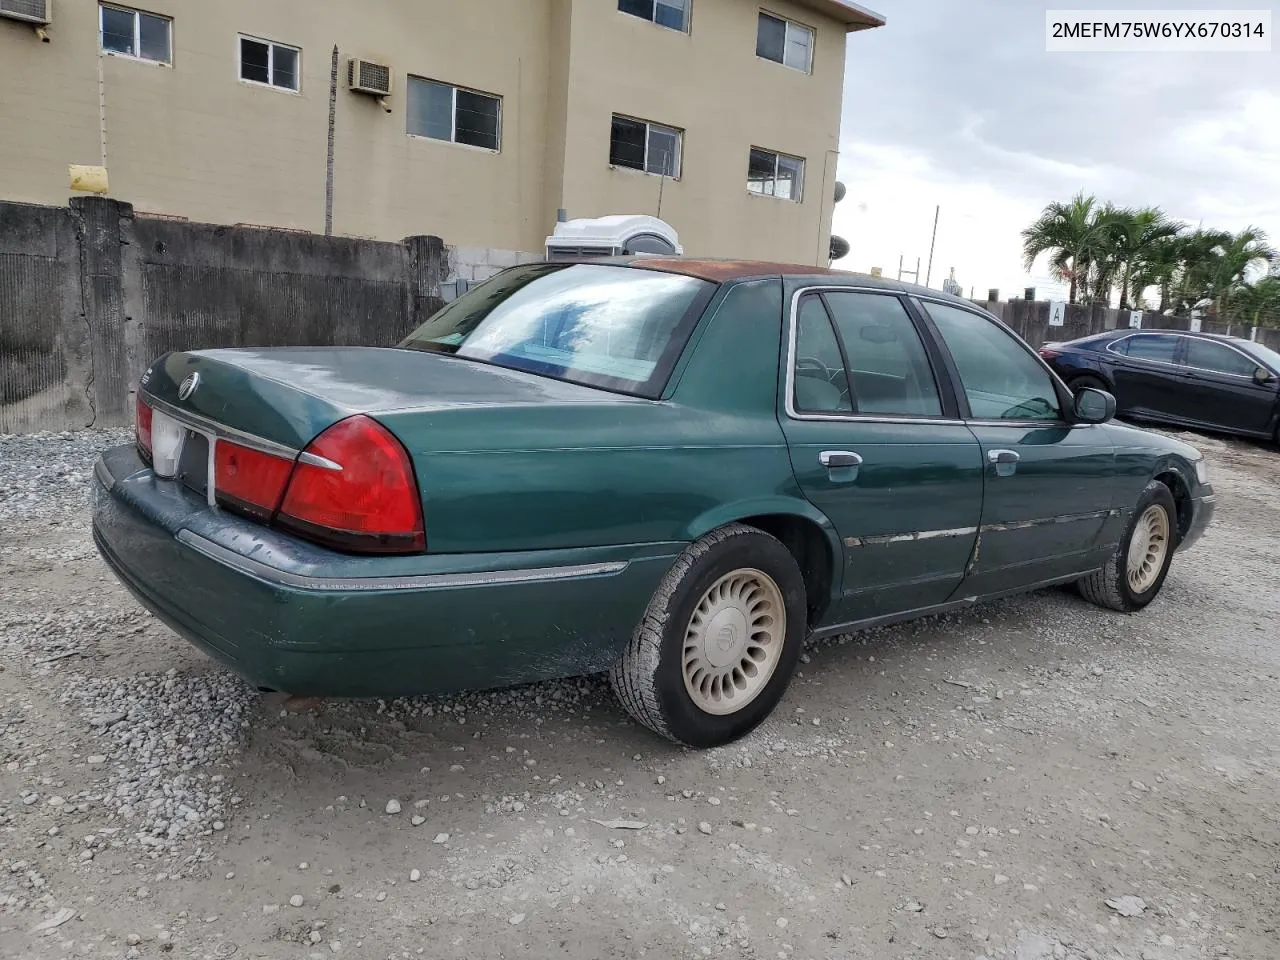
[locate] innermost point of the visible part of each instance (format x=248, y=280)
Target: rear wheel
x=719, y=641
x=1087, y=381
x=1136, y=571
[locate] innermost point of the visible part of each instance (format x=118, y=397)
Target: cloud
x=959, y=105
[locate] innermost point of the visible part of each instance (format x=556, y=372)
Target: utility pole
x=913, y=274
x=936, y=213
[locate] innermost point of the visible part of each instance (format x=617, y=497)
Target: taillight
x=356, y=491
x=1049, y=354
x=249, y=481
x=142, y=424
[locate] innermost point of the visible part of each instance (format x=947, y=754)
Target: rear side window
x=1000, y=377
x=1157, y=347
x=888, y=365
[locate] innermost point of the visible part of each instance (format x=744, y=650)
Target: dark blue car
x=1198, y=380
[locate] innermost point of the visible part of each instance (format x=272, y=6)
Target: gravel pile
x=46, y=475
x=159, y=734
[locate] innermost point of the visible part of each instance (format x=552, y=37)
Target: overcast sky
x=958, y=103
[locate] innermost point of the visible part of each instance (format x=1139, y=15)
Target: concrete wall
x=90, y=294
x=190, y=139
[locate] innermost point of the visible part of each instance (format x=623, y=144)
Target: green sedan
x=673, y=470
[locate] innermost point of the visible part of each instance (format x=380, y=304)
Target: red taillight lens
x=249, y=481
x=365, y=499
x=142, y=424
x=1049, y=354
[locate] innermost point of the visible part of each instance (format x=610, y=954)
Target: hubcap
x=1147, y=549
x=733, y=641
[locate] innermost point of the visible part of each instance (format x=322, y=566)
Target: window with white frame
x=270, y=63
x=673, y=14
x=445, y=112
x=125, y=32
x=641, y=145
x=785, y=42
x=775, y=174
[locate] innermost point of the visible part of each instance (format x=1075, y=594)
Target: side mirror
x=1262, y=376
x=1094, y=406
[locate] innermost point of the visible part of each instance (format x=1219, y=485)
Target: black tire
x=649, y=676
x=1110, y=587
x=1088, y=380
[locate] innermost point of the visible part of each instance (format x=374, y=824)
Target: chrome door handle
x=1003, y=456
x=832, y=459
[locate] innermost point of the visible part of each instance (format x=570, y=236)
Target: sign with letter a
x=1057, y=313
x=1135, y=319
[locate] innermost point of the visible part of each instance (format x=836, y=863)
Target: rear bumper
x=291, y=617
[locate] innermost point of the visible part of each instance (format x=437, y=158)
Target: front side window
x=1000, y=377
x=441, y=111
x=641, y=145
x=618, y=328
x=673, y=14
x=274, y=64
x=785, y=42
x=1157, y=347
x=132, y=33
x=888, y=365
x=1215, y=357
x=775, y=174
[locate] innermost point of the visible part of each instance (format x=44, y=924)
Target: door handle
x=1006, y=461
x=836, y=459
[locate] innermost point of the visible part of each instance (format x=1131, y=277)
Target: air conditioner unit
x=39, y=12
x=613, y=236
x=364, y=76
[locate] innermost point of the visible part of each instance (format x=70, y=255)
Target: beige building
x=720, y=116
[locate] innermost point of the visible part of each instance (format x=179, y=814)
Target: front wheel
x=1136, y=571
x=719, y=641
x=1088, y=382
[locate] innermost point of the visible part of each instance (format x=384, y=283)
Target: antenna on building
x=929, y=274
x=913, y=274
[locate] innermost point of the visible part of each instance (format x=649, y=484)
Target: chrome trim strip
x=430, y=581
x=316, y=460
x=918, y=535
x=909, y=537
x=789, y=405
x=219, y=430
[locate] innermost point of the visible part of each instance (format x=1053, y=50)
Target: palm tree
x=1258, y=304
x=1140, y=244
x=1233, y=259
x=1069, y=233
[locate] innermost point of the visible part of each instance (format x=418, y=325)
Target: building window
x=645, y=146
x=132, y=33
x=274, y=64
x=665, y=13
x=775, y=174
x=444, y=112
x=785, y=42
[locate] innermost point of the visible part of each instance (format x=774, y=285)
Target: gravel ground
x=1032, y=779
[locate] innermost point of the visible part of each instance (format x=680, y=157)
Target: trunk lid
x=289, y=395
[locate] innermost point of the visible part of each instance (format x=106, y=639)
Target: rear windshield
x=617, y=328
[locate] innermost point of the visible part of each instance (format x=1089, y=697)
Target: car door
x=1048, y=489
x=1219, y=389
x=876, y=444
x=1146, y=373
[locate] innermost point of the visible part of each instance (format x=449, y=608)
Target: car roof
x=730, y=271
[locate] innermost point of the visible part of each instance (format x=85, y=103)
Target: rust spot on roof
x=719, y=271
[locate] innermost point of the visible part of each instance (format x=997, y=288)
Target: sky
x=956, y=103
